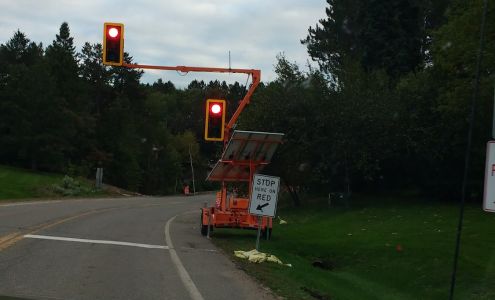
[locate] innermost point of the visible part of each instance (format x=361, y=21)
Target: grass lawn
x=17, y=184
x=378, y=249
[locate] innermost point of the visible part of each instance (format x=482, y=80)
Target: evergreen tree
x=17, y=58
x=380, y=35
x=164, y=87
x=61, y=57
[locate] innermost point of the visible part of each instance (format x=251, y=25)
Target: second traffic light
x=214, y=120
x=113, y=44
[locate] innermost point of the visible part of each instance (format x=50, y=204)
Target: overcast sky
x=177, y=32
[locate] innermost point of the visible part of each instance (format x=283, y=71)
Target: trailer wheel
x=204, y=228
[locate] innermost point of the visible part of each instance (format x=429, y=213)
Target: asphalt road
x=124, y=248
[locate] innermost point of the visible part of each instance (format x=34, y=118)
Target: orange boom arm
x=255, y=74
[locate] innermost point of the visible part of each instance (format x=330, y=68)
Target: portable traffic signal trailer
x=246, y=153
x=249, y=153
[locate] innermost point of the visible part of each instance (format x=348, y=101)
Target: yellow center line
x=12, y=238
x=5, y=240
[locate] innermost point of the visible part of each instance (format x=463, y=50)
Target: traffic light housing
x=215, y=119
x=113, y=44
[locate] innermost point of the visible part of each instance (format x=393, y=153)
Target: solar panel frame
x=245, y=149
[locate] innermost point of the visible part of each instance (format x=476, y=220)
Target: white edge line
x=184, y=276
x=57, y=238
x=199, y=249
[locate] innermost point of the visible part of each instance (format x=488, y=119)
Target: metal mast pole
x=192, y=170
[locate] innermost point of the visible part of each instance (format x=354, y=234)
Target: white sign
x=489, y=194
x=264, y=195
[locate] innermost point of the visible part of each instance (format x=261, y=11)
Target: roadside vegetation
x=393, y=247
x=385, y=107
x=20, y=184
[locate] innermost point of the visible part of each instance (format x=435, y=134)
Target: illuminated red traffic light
x=216, y=108
x=113, y=32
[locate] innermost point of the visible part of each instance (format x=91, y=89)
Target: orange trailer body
x=232, y=213
x=246, y=153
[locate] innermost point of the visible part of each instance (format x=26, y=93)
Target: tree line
x=386, y=108
x=64, y=111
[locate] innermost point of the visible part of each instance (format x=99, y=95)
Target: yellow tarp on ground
x=258, y=257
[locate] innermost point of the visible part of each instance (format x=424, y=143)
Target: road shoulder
x=214, y=274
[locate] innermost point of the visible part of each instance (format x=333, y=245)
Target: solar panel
x=245, y=148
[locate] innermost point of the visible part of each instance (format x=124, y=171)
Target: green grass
x=361, y=246
x=20, y=184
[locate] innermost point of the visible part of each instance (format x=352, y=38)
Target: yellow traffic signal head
x=215, y=119
x=113, y=44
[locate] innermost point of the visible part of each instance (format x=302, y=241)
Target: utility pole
x=192, y=170
x=493, y=122
x=467, y=158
